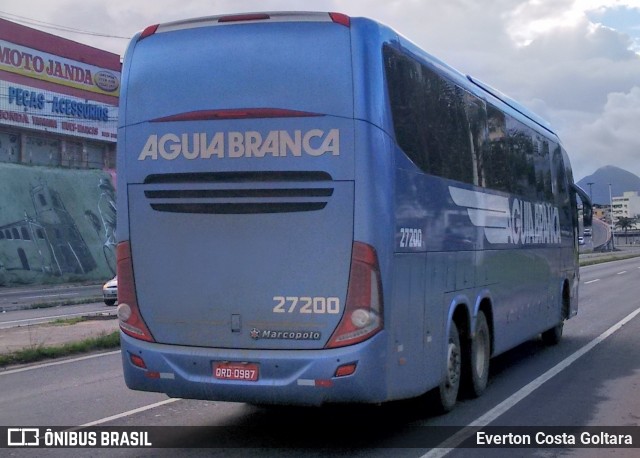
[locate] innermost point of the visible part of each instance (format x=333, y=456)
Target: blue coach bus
x=311, y=210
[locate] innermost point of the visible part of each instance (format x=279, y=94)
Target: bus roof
x=512, y=103
x=315, y=16
x=274, y=16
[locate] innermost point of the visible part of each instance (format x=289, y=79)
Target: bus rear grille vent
x=237, y=177
x=239, y=193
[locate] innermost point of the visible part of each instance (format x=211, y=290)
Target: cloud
x=574, y=68
x=623, y=18
x=611, y=136
x=551, y=57
x=572, y=61
x=583, y=78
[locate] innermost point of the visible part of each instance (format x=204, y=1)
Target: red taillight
x=148, y=31
x=131, y=321
x=340, y=18
x=362, y=317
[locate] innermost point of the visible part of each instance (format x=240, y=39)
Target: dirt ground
x=43, y=335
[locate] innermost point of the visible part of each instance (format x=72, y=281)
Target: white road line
x=125, y=414
x=623, y=272
x=51, y=295
x=23, y=291
x=102, y=420
x=591, y=281
x=57, y=363
x=53, y=317
x=450, y=444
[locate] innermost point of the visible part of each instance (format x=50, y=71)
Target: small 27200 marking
x=317, y=305
x=410, y=237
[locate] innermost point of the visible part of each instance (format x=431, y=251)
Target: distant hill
x=621, y=181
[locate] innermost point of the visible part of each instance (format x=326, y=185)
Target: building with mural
x=58, y=132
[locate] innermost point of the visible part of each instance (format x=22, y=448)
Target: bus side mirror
x=587, y=206
x=587, y=214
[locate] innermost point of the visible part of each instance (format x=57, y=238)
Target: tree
x=625, y=224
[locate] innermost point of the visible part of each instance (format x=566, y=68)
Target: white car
x=110, y=291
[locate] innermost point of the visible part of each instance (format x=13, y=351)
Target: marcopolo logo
x=276, y=143
x=284, y=335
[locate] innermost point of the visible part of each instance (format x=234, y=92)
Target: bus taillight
x=363, y=311
x=129, y=316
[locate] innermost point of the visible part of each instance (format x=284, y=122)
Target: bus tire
x=479, y=357
x=554, y=335
x=446, y=394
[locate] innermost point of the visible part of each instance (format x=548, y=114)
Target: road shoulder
x=47, y=335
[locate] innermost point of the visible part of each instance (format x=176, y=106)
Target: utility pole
x=611, y=215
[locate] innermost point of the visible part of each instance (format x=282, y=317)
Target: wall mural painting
x=104, y=221
x=66, y=228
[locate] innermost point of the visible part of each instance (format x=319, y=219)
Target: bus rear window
x=293, y=66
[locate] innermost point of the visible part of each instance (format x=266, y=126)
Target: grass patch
x=79, y=301
x=39, y=353
x=600, y=260
x=67, y=321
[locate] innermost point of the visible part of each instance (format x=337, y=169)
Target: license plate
x=246, y=372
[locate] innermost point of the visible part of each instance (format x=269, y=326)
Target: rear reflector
x=346, y=369
x=137, y=361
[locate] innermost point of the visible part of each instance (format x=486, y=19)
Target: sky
x=575, y=63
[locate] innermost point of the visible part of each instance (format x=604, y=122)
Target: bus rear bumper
x=286, y=377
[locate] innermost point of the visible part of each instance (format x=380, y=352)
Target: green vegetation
x=606, y=258
x=39, y=353
x=67, y=321
x=79, y=301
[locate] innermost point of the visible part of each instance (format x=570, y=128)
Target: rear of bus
x=243, y=272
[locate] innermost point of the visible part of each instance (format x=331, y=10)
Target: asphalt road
x=14, y=318
x=22, y=297
x=590, y=379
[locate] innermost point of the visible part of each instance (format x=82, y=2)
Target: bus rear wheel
x=477, y=371
x=446, y=394
x=553, y=336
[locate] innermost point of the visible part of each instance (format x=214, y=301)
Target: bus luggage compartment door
x=237, y=265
